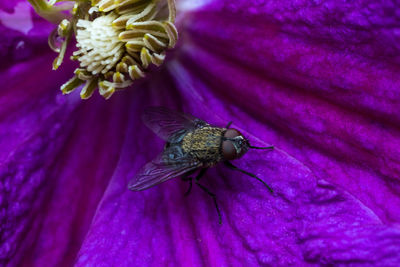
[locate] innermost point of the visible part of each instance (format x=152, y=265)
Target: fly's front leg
x=229, y=124
x=233, y=167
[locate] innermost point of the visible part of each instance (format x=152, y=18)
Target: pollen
x=116, y=41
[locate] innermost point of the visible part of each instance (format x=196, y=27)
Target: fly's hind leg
x=201, y=174
x=213, y=197
x=229, y=124
x=196, y=180
x=187, y=177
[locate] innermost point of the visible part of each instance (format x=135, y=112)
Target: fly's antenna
x=258, y=147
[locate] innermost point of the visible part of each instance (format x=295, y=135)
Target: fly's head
x=234, y=144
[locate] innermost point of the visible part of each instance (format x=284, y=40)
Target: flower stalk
x=50, y=11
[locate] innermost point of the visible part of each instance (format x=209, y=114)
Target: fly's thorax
x=204, y=144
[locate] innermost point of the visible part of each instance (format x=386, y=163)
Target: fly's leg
x=201, y=173
x=186, y=177
x=233, y=167
x=190, y=179
x=229, y=124
x=198, y=176
x=214, y=198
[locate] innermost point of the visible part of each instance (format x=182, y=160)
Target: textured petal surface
x=50, y=156
x=317, y=79
x=337, y=98
x=51, y=179
x=313, y=91
x=23, y=35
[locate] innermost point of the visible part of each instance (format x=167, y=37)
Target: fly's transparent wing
x=165, y=122
x=171, y=163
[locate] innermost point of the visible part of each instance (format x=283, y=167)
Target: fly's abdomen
x=204, y=144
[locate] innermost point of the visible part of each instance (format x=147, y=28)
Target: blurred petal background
x=317, y=79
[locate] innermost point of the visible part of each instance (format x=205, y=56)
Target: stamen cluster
x=117, y=40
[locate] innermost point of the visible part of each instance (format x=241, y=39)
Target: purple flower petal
x=339, y=103
x=317, y=80
x=27, y=37
x=51, y=181
x=307, y=219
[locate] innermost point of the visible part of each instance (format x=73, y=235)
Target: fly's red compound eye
x=229, y=151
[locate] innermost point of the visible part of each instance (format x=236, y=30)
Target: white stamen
x=100, y=48
x=116, y=41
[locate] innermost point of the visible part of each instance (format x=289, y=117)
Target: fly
x=191, y=144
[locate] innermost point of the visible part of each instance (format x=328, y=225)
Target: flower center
x=98, y=43
x=116, y=41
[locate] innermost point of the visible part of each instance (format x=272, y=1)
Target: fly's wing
x=171, y=163
x=165, y=122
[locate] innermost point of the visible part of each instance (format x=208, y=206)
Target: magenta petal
x=50, y=180
x=306, y=220
x=49, y=164
x=324, y=107
x=311, y=78
x=23, y=35
x=331, y=106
